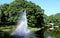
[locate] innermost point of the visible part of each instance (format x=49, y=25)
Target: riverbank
x=5, y=31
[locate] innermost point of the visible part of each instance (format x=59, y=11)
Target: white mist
x=22, y=30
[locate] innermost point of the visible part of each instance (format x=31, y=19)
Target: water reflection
x=52, y=34
x=49, y=37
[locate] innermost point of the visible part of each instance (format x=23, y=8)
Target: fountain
x=22, y=30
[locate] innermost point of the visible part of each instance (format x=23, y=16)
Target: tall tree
x=34, y=12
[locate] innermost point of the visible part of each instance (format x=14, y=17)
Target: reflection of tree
x=40, y=33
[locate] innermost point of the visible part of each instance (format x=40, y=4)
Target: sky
x=5, y=1
x=50, y=6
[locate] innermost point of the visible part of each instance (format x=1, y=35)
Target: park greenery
x=9, y=13
x=53, y=19
x=36, y=18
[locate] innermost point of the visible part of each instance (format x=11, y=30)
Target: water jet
x=22, y=30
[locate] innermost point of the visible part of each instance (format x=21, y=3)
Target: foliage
x=10, y=12
x=54, y=19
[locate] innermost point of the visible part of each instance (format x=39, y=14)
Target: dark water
x=17, y=36
x=52, y=34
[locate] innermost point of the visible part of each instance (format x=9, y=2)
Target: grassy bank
x=5, y=31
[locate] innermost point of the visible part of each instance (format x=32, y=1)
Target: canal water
x=52, y=34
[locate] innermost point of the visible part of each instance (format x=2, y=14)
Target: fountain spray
x=22, y=30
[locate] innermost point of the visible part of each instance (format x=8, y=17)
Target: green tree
x=34, y=12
